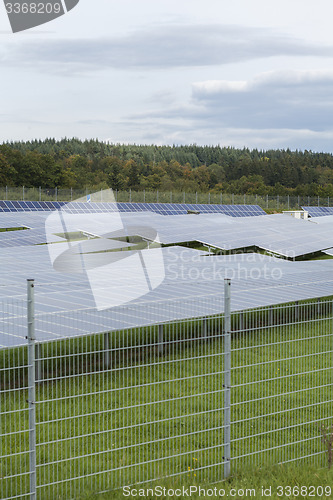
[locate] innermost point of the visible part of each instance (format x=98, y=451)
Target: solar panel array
x=104, y=282
x=66, y=306
x=276, y=233
x=159, y=208
x=319, y=211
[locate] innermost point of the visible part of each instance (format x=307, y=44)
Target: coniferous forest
x=72, y=163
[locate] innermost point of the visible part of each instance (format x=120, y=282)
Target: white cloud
x=125, y=72
x=270, y=80
x=286, y=100
x=163, y=47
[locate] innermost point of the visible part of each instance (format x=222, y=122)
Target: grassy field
x=284, y=481
x=153, y=411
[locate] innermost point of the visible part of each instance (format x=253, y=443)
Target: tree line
x=72, y=163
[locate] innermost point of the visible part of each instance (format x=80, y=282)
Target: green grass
x=165, y=411
x=5, y=229
x=260, y=479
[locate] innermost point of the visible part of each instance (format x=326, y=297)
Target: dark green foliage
x=72, y=163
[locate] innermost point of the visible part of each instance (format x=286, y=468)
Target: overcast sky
x=254, y=73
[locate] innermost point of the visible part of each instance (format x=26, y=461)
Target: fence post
x=31, y=387
x=130, y=195
x=227, y=376
x=71, y=194
x=144, y=196
x=40, y=193
x=23, y=193
x=6, y=193
x=266, y=200
x=157, y=196
x=288, y=202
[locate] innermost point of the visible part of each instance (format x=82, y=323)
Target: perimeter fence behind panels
x=136, y=405
x=278, y=202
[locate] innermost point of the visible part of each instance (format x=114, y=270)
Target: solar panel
x=319, y=211
x=160, y=208
x=279, y=234
x=26, y=237
x=65, y=304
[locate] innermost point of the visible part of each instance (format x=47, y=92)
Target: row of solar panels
x=277, y=233
x=318, y=211
x=160, y=208
x=189, y=284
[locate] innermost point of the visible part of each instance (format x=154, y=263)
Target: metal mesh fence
x=278, y=202
x=14, y=409
x=137, y=405
x=130, y=406
x=281, y=383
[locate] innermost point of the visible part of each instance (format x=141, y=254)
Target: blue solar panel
x=159, y=208
x=319, y=211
